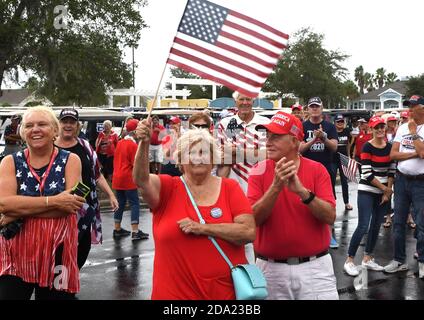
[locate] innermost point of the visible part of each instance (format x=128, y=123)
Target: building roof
x=398, y=86
x=14, y=96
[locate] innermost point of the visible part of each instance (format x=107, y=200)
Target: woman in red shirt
x=105, y=147
x=187, y=265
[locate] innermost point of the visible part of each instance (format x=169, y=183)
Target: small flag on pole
x=349, y=167
x=226, y=46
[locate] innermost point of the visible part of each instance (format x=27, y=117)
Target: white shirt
x=413, y=166
x=243, y=135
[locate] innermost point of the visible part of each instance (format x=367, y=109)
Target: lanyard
x=42, y=180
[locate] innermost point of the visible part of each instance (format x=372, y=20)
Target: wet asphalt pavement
x=122, y=269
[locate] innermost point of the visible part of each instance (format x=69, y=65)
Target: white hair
x=236, y=95
x=192, y=137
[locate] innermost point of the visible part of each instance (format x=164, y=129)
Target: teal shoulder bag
x=249, y=282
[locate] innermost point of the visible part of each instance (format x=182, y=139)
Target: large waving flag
x=226, y=46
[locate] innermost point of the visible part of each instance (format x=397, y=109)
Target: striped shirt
x=376, y=163
x=243, y=135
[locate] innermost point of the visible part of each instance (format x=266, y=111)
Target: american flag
x=226, y=46
x=349, y=167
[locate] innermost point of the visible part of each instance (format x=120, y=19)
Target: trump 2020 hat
x=69, y=113
x=131, y=125
x=315, y=101
x=284, y=123
x=338, y=118
x=376, y=120
x=413, y=101
x=391, y=118
x=296, y=106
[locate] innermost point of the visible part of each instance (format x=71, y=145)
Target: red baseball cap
x=284, y=123
x=296, y=106
x=175, y=120
x=404, y=114
x=376, y=120
x=391, y=118
x=131, y=125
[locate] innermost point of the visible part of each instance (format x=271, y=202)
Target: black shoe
x=121, y=233
x=139, y=235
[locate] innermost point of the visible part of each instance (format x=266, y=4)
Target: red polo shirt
x=291, y=230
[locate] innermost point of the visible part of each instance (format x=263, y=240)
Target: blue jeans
x=132, y=196
x=369, y=208
x=408, y=192
x=343, y=181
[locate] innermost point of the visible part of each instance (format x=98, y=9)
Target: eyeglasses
x=200, y=126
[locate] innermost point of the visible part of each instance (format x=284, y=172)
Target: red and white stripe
x=245, y=53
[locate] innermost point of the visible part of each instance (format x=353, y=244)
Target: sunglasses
x=200, y=126
x=340, y=121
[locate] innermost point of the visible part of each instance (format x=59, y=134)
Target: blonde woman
x=42, y=255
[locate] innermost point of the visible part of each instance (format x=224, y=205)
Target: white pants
x=156, y=153
x=313, y=280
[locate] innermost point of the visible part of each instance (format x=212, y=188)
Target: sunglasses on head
x=200, y=126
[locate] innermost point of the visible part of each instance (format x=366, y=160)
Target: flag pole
x=157, y=92
x=163, y=73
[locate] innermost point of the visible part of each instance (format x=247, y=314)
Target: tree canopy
x=415, y=85
x=308, y=69
x=72, y=49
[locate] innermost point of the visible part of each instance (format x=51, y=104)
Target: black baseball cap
x=413, y=101
x=339, y=117
x=315, y=100
x=69, y=113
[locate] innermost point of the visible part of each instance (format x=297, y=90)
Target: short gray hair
x=192, y=137
x=47, y=111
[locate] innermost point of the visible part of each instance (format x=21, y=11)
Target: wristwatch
x=309, y=199
x=415, y=137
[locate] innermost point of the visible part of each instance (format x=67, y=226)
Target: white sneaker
x=351, y=269
x=372, y=265
x=421, y=270
x=395, y=266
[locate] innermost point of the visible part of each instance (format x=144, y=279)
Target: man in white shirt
x=238, y=135
x=408, y=150
x=243, y=146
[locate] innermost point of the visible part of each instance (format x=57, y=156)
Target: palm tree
x=369, y=81
x=380, y=77
x=391, y=77
x=359, y=78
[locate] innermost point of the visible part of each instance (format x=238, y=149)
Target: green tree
x=307, y=69
x=380, y=77
x=76, y=61
x=350, y=90
x=391, y=77
x=415, y=85
x=369, y=81
x=359, y=78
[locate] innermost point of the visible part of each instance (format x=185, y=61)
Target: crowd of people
x=263, y=188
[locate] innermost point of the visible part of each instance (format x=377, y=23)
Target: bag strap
x=202, y=221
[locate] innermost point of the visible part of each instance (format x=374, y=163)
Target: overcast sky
x=374, y=33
